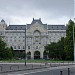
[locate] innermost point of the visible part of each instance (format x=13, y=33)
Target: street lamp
x=73, y=41
x=25, y=46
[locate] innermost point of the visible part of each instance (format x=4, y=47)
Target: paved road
x=46, y=71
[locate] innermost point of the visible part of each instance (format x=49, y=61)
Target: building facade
x=31, y=38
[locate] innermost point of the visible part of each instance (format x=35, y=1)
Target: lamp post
x=25, y=46
x=73, y=41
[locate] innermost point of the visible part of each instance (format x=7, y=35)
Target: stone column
x=41, y=54
x=32, y=54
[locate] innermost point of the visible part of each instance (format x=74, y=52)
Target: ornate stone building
x=32, y=37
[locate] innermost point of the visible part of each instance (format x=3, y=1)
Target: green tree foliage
x=12, y=51
x=64, y=49
x=56, y=50
x=69, y=47
x=5, y=52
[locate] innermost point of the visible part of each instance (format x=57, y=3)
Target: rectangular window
x=19, y=40
x=18, y=47
x=36, y=47
x=23, y=41
x=11, y=37
x=14, y=47
x=28, y=47
x=10, y=40
x=15, y=37
x=0, y=33
x=23, y=47
x=14, y=40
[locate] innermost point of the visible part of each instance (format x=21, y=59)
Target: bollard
x=18, y=67
x=26, y=66
x=50, y=64
x=45, y=64
x=32, y=66
x=61, y=73
x=40, y=65
x=63, y=63
x=68, y=62
x=1, y=67
x=68, y=71
x=10, y=67
x=59, y=63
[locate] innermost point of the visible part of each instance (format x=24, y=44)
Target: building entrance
x=29, y=55
x=45, y=55
x=36, y=55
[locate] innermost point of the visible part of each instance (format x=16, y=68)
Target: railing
x=21, y=67
x=1, y=68
x=14, y=66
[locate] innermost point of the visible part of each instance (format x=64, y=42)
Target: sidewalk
x=10, y=67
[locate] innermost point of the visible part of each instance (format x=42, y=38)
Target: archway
x=29, y=55
x=36, y=55
x=45, y=55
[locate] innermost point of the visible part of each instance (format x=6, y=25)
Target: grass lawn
x=35, y=61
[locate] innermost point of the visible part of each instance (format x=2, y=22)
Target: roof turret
x=2, y=20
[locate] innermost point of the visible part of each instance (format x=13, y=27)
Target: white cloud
x=23, y=20
x=62, y=20
x=50, y=11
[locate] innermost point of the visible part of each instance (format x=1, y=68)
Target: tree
x=51, y=48
x=5, y=52
x=64, y=48
x=56, y=50
x=61, y=49
x=12, y=51
x=2, y=44
x=69, y=47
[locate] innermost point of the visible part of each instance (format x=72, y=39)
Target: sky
x=23, y=11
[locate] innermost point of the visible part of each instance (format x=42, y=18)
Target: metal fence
x=22, y=67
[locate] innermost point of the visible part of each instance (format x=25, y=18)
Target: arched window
x=37, y=37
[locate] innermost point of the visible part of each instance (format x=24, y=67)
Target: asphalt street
x=46, y=71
